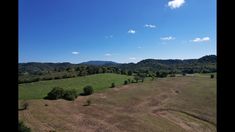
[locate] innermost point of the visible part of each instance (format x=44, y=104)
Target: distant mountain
x=203, y=64
x=100, y=63
x=207, y=63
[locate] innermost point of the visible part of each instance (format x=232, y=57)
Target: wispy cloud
x=75, y=52
x=175, y=3
x=204, y=39
x=109, y=36
x=107, y=54
x=139, y=47
x=131, y=31
x=149, y=26
x=132, y=58
x=167, y=38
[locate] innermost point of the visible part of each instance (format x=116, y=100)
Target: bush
x=125, y=82
x=129, y=73
x=25, y=105
x=129, y=80
x=55, y=93
x=212, y=76
x=60, y=93
x=163, y=74
x=183, y=74
x=112, y=85
x=70, y=94
x=22, y=127
x=137, y=78
x=172, y=75
x=88, y=102
x=88, y=90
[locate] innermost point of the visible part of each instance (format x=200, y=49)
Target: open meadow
x=172, y=104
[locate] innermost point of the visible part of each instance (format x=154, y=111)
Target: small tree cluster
x=172, y=75
x=88, y=90
x=125, y=82
x=60, y=93
x=112, y=85
x=212, y=76
x=25, y=105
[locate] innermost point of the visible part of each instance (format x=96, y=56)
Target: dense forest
x=33, y=71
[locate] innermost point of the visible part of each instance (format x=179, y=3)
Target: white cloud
x=132, y=58
x=107, y=54
x=175, y=3
x=131, y=31
x=139, y=47
x=75, y=52
x=204, y=39
x=109, y=36
x=149, y=26
x=167, y=38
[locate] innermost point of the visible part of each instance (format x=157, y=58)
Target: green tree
x=129, y=73
x=88, y=90
x=212, y=76
x=55, y=93
x=113, y=85
x=136, y=78
x=125, y=82
x=70, y=94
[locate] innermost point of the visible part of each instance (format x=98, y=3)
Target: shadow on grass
x=48, y=98
x=21, y=109
x=83, y=94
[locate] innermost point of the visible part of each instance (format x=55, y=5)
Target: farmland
x=38, y=90
x=182, y=103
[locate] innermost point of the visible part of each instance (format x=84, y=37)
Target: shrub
x=70, y=94
x=183, y=74
x=137, y=78
x=55, y=93
x=212, y=76
x=88, y=90
x=25, y=105
x=22, y=127
x=60, y=93
x=172, y=75
x=129, y=73
x=112, y=85
x=129, y=80
x=125, y=82
x=163, y=74
x=88, y=102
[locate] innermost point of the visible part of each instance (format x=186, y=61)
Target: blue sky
x=117, y=30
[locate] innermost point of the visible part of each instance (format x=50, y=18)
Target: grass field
x=172, y=104
x=38, y=90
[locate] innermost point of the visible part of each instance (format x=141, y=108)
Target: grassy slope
x=132, y=108
x=38, y=90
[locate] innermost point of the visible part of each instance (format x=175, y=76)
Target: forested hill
x=206, y=63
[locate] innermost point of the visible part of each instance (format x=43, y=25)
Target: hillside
x=173, y=104
x=99, y=63
x=208, y=62
x=203, y=64
x=38, y=90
